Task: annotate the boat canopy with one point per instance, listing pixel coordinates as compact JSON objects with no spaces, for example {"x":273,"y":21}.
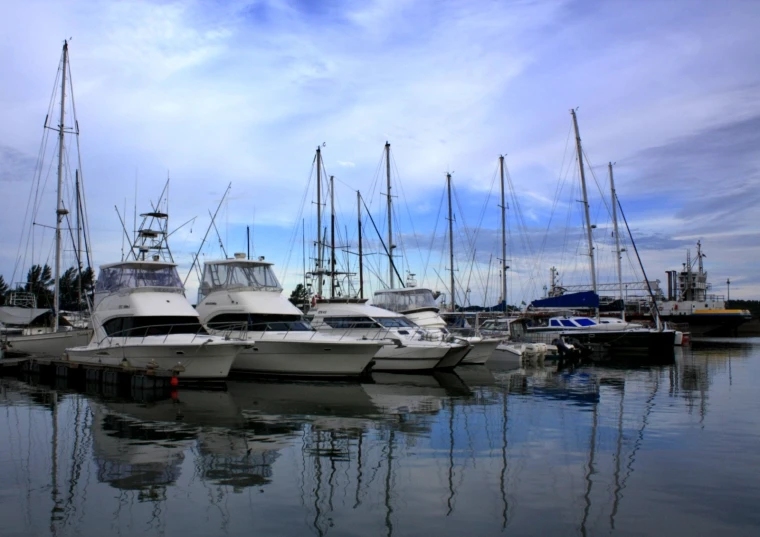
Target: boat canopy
{"x":403,"y":300}
{"x":238,"y":275}
{"x":134,"y":275}
{"x":585,"y":299}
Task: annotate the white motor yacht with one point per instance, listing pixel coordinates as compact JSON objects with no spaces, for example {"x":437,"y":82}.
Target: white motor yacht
{"x":240,"y":293}
{"x":411,"y":349}
{"x":418,"y":304}
{"x":143,"y":320}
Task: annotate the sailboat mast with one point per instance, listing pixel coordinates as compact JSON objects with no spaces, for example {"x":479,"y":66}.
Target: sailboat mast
{"x":79,"y":241}
{"x":319,"y":222}
{"x":503,"y":236}
{"x":390,"y":212}
{"x":585,"y":199}
{"x":332,"y":238}
{"x":451,"y":243}
{"x":60,"y":211}
{"x":617,"y":239}
{"x":361,"y":262}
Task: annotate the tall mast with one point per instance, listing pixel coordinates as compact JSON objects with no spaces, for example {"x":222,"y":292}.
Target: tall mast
{"x":585,"y":200}
{"x":332,"y":239}
{"x":503,"y":236}
{"x":361,"y":265}
{"x":390,"y":212}
{"x":79,"y":241}
{"x":617,"y":239}
{"x":60,"y":211}
{"x":451,"y":243}
{"x":319,"y":222}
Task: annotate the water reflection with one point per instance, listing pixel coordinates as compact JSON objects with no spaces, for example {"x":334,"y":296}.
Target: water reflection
{"x":480,"y":451}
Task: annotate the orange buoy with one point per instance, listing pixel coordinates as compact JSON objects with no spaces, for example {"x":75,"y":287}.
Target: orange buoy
{"x":174,"y":381}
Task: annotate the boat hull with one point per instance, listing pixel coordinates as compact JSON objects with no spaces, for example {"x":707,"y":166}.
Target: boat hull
{"x":52,"y":344}
{"x":455,"y":356}
{"x":409,"y":358}
{"x":185,"y":359}
{"x":482,"y":350}
{"x":307,"y":358}
{"x":710,"y":324}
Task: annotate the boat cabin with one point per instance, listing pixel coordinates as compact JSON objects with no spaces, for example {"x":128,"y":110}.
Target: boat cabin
{"x":238,"y":274}
{"x":405,"y":300}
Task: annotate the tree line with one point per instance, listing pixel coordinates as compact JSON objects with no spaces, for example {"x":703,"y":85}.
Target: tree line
{"x":74,"y":287}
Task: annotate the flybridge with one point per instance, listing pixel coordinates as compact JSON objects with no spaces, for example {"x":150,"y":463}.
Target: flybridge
{"x":238,"y":274}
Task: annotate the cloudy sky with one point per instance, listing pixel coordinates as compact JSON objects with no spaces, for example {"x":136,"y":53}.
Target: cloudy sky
{"x":242,"y":92}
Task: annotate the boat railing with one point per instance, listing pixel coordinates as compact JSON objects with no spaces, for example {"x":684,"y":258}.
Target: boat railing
{"x":239,"y":332}
{"x":275,"y":328}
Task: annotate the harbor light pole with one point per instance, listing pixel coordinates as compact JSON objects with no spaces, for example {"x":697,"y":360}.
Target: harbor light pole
{"x":728,"y":287}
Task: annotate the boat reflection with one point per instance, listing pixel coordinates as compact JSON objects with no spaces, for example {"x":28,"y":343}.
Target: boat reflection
{"x":397,"y":454}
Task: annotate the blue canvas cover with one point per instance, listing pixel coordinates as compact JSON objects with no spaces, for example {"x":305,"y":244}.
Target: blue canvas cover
{"x":585,"y":299}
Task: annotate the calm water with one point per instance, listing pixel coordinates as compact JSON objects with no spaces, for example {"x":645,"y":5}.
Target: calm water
{"x":670,"y":450}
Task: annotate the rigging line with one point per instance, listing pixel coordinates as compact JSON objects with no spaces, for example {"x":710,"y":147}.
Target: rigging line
{"x":299,"y":218}
{"x":383,"y":244}
{"x":558,"y":189}
{"x":432,"y":236}
{"x":471,"y":239}
{"x":400,"y":184}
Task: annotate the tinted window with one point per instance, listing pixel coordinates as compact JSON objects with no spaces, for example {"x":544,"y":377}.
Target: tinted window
{"x":152,"y":326}
{"x":395,"y":322}
{"x":554,"y":322}
{"x":350,"y":322}
{"x":567,"y":322}
{"x":258,"y":322}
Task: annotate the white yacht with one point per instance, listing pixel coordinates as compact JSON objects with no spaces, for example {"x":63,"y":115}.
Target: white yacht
{"x":418,"y":304}
{"x":240,"y":294}
{"x":143,"y":320}
{"x":412,"y":349}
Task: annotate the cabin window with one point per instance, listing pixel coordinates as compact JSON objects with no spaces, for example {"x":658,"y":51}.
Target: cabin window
{"x":152,"y":326}
{"x":395,"y":322}
{"x":258,"y":322}
{"x":567,"y":322}
{"x":111,"y":279}
{"x":554,"y":322}
{"x":240,"y":275}
{"x":350,"y":322}
{"x":585,"y":322}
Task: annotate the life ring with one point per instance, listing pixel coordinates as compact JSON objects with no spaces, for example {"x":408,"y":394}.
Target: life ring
{"x":675,"y":307}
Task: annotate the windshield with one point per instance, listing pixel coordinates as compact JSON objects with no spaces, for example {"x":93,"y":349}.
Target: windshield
{"x":236,"y":275}
{"x":114,"y":278}
{"x":395,"y":322}
{"x":408,"y":299}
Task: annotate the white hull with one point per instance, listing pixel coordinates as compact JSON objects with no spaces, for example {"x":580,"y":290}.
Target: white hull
{"x":211,"y":360}
{"x":482,"y":350}
{"x":408,"y":358}
{"x":311,"y":358}
{"x":455,"y":356}
{"x":52,"y":344}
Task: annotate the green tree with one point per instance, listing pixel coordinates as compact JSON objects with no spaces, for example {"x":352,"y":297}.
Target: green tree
{"x":299,"y":295}
{"x":75,"y":288}
{"x":39,"y":280}
{"x":3,"y":290}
